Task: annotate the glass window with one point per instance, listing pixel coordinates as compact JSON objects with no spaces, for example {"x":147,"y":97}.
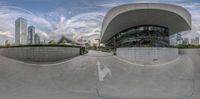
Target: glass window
{"x":147,"y":35}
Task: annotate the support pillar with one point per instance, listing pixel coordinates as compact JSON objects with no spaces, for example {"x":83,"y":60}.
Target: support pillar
{"x":114,"y":46}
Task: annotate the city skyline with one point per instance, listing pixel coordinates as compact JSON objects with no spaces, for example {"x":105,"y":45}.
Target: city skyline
{"x":73,"y":18}
{"x":25,"y":34}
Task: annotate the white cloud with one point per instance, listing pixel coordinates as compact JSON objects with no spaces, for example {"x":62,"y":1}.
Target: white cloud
{"x":6,"y":33}
{"x":47,"y":27}
{"x":51,"y":25}
{"x":8,"y":15}
{"x":80,"y":25}
{"x":110,"y":5}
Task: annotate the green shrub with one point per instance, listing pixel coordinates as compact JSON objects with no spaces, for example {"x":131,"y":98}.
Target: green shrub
{"x":182,"y":46}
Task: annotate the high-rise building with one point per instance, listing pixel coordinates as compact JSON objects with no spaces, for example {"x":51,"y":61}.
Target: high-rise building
{"x":193,"y":41}
{"x":21,"y":31}
{"x":31,"y":34}
{"x":37,"y":39}
{"x":186,"y":41}
{"x":197,"y":40}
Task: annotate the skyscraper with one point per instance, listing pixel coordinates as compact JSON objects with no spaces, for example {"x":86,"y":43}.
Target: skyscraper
{"x":197,"y":40}
{"x":37,"y":39}
{"x":186,"y":41}
{"x":193,"y":42}
{"x":21,"y":31}
{"x":31,"y":34}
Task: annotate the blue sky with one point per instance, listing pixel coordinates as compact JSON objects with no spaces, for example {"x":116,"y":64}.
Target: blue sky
{"x":73,"y":18}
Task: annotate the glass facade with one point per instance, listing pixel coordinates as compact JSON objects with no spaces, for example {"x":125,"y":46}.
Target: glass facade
{"x":21,"y":31}
{"x":141,"y":36}
{"x":37,"y":39}
{"x":31,"y":33}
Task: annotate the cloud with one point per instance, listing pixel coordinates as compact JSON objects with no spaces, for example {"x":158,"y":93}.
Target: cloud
{"x":86,"y":23}
{"x":6,"y":34}
{"x":80,"y":25}
{"x":112,"y":4}
{"x":194,"y":9}
{"x":8,"y":15}
{"x":49,"y":26}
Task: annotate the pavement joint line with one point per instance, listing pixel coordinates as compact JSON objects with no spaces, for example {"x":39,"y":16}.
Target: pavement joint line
{"x":156,"y":65}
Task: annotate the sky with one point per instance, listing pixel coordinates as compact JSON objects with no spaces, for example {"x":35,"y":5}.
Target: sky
{"x":74,"y":18}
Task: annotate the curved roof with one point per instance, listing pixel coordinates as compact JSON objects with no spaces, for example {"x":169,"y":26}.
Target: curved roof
{"x":119,"y":18}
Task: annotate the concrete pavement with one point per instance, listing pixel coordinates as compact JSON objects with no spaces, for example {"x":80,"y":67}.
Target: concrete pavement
{"x":79,"y":78}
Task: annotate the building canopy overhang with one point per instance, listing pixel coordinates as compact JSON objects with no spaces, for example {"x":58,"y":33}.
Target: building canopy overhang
{"x":175,"y":18}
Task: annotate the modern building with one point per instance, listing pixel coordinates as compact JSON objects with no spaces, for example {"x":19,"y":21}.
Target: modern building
{"x":176,"y":39}
{"x":144,"y":24}
{"x":135,"y":31}
{"x":36,"y":39}
{"x":173,"y":39}
{"x":67,"y":41}
{"x":31,"y":33}
{"x":21,"y":31}
{"x":195,"y":41}
{"x":179,"y":39}
{"x":185,"y":41}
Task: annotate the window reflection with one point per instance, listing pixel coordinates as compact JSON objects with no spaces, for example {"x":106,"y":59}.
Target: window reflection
{"x":148,"y":35}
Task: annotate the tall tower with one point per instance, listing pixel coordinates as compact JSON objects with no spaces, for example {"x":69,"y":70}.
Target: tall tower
{"x":37,"y":39}
{"x":31,"y":34}
{"x":21,"y":31}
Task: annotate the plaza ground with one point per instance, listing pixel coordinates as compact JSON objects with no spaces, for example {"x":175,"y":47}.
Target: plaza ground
{"x":78,"y":78}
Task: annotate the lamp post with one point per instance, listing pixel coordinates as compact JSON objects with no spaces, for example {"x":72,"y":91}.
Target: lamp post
{"x":114,"y":43}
